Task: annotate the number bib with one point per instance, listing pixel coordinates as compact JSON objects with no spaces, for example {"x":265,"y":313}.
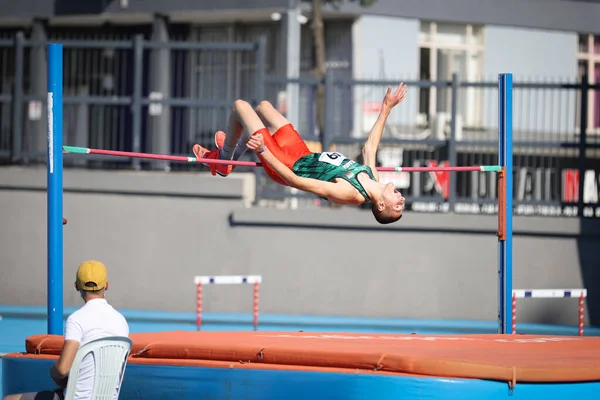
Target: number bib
{"x":332,"y":157}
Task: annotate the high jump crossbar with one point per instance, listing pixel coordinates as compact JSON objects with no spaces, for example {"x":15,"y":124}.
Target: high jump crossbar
{"x":55,"y":188}
{"x":254,"y":280}
{"x":580,"y":294}
{"x":165,"y":157}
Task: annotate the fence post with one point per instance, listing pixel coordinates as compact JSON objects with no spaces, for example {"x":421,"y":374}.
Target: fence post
{"x":260,"y":69}
{"x":259,"y":93}
{"x":582,"y":141}
{"x":452,"y":143}
{"x":136,"y":106}
{"x":17,"y":100}
{"x":329,"y":112}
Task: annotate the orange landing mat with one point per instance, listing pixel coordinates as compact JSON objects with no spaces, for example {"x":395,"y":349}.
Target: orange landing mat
{"x":512,"y":358}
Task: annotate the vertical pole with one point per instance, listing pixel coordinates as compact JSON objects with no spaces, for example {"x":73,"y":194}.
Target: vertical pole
{"x":136,"y":107}
{"x":159,"y":138}
{"x":255,"y":306}
{"x":501,"y":179}
{"x":17,"y":111}
{"x":328,"y":132}
{"x":260,"y":69}
{"x":505,"y":161}
{"x":259,"y":92}
{"x":55,"y":188}
{"x":37,"y":82}
{"x":581,"y":314}
{"x":582,"y":142}
{"x":292,"y":33}
{"x":452,"y":143}
{"x":198,"y":305}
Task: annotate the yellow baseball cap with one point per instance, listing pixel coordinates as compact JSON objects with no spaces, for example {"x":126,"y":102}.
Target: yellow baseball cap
{"x":91,"y":275}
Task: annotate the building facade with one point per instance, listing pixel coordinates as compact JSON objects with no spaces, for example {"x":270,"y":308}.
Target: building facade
{"x":552,"y":42}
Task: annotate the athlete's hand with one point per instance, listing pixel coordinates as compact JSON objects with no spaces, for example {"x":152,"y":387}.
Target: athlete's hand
{"x":392,"y":99}
{"x":256,"y":143}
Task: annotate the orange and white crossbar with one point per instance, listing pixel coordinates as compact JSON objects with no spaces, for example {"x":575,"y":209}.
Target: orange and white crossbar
{"x":581,"y":294}
{"x":200,"y":281}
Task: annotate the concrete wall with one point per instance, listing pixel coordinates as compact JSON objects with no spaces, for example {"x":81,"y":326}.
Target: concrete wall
{"x":156,"y":231}
{"x":532,"y":55}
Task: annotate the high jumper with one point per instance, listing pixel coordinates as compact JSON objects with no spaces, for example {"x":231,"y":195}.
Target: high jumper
{"x":287,"y":160}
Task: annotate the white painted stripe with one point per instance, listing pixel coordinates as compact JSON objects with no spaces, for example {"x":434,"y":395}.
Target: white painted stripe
{"x":192,"y":159}
{"x":549,"y":293}
{"x":228,"y":279}
{"x":50,"y":110}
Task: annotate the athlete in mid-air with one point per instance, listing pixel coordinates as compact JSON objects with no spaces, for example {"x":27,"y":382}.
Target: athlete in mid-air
{"x":288,"y":161}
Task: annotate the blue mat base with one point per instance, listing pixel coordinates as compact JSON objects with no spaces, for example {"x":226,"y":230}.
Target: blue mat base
{"x":175,"y":382}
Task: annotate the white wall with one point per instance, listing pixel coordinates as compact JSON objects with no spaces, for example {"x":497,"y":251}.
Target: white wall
{"x":156,"y":231}
{"x":384,"y":48}
{"x":532,"y":55}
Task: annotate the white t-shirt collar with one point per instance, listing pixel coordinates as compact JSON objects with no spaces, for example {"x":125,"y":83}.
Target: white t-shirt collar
{"x":97,"y":300}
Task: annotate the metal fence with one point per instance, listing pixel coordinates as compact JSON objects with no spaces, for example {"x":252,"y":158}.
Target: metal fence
{"x":549,"y":152}
{"x":129,"y":95}
{"x":162,"y":97}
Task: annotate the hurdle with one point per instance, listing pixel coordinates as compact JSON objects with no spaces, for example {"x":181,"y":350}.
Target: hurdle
{"x":581,"y":294}
{"x":55,"y":151}
{"x":254,"y":280}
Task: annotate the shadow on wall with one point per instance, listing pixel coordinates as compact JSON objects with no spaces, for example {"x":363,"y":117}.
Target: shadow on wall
{"x":588,"y":245}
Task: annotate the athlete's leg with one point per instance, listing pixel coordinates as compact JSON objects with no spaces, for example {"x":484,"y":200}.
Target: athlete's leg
{"x":253,"y":124}
{"x":242,"y":117}
{"x":285,"y":134}
{"x":272,"y":119}
{"x":233,"y":135}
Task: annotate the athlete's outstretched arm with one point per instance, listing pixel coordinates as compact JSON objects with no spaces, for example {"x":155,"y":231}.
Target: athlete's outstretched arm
{"x":371,"y":145}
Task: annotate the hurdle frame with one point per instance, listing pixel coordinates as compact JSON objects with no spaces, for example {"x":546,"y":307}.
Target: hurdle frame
{"x":579,"y":294}
{"x":254,"y":280}
{"x":55,"y":189}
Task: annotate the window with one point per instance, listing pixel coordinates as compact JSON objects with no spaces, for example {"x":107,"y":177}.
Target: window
{"x":588,"y":61}
{"x":446,"y":49}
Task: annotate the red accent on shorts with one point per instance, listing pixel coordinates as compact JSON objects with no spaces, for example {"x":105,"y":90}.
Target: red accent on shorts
{"x":286,"y":145}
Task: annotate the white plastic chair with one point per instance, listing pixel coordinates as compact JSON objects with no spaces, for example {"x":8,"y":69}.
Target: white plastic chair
{"x":110,"y":359}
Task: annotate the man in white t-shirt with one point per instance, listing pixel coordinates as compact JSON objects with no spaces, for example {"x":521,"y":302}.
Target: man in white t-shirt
{"x":96,"y":319}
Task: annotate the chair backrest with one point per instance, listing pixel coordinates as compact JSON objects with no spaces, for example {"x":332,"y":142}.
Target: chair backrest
{"x":110,"y":359}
